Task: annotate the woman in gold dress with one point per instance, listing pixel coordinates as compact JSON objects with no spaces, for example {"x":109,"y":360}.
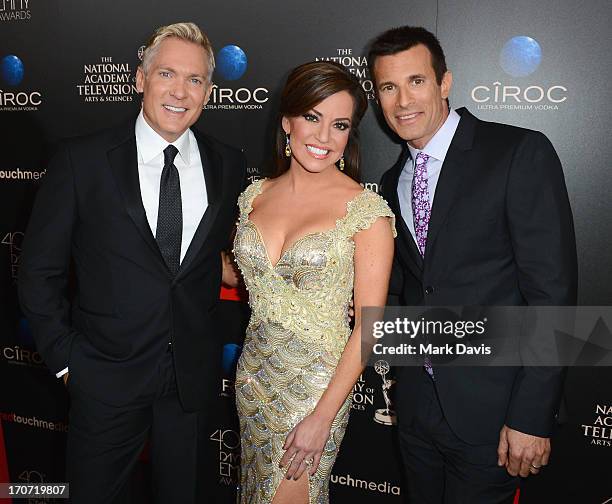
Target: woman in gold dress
{"x":308,"y":241}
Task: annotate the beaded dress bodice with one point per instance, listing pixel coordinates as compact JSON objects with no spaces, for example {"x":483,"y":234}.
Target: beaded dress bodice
{"x":298,"y":329}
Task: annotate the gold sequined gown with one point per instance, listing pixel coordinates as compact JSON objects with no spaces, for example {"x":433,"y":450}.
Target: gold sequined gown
{"x":297,"y":332}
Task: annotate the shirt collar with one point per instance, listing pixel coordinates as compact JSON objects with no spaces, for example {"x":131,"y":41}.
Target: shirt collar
{"x":150,"y":144}
{"x":438,"y":146}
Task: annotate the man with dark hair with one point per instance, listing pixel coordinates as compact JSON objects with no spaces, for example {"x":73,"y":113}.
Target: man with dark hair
{"x":403,"y":38}
{"x":483,"y":219}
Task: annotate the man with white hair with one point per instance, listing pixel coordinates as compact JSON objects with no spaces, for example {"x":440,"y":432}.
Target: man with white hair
{"x":143,"y":212}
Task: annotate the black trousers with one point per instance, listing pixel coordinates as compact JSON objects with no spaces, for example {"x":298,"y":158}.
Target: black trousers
{"x":104,"y":443}
{"x":440,"y":467}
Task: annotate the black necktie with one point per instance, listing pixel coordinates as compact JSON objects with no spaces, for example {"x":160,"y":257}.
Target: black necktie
{"x":170,"y":215}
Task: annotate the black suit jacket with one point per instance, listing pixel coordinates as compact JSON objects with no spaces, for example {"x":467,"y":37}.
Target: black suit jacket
{"x":127,"y":305}
{"x":501,"y":233}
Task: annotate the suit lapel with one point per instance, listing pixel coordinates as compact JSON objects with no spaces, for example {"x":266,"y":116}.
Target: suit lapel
{"x":451,"y":176}
{"x":407,"y":248}
{"x":123,"y":159}
{"x":212,"y":164}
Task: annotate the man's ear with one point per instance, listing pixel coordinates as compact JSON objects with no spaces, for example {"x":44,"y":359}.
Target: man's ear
{"x":447,"y":83}
{"x":140,"y":79}
{"x":208,"y":93}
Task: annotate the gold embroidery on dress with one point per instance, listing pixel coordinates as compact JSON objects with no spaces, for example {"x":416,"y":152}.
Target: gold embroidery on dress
{"x":298,"y":329}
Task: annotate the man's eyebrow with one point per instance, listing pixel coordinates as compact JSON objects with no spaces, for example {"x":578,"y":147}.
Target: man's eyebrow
{"x":170,"y":69}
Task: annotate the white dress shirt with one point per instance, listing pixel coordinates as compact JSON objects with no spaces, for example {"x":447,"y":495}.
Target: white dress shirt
{"x":150,"y":146}
{"x":436,"y":149}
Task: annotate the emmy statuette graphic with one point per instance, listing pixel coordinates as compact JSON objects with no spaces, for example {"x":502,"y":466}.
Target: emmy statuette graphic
{"x":385,"y":416}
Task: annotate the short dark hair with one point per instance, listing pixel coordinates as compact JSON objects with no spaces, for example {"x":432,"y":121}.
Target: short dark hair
{"x":307,"y":86}
{"x":403,"y":38}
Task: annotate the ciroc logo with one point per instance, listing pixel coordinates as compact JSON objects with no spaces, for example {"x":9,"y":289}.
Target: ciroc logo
{"x":12,"y":72}
{"x":519,"y":57}
{"x":24,"y":352}
{"x":232,"y":64}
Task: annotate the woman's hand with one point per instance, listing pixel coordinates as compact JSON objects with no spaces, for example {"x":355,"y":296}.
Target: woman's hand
{"x":305,"y":443}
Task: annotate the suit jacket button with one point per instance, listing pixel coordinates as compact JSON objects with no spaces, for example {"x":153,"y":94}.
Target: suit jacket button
{"x":429,"y":290}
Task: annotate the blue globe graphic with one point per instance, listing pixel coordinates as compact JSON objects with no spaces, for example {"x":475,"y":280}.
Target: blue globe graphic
{"x":231,"y":62}
{"x":520,"y":56}
{"x":12,"y":70}
{"x":25,"y":333}
{"x":231,"y":352}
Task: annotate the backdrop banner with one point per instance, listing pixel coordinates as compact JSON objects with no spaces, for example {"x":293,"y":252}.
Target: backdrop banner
{"x":67,"y":68}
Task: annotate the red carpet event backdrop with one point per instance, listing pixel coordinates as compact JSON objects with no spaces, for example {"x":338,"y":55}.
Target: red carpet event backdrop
{"x":67,"y":68}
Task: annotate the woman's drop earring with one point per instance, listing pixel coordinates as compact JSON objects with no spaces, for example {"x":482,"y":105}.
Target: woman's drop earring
{"x":287,"y":146}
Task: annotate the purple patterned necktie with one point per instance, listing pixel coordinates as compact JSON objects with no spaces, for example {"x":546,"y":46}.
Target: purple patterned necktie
{"x":420,"y":214}
{"x":420,"y":201}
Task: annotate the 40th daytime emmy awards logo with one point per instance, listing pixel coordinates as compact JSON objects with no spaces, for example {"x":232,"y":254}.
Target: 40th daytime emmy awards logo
{"x":229,"y":455}
{"x":231,"y":66}
{"x":13,"y":241}
{"x":519,"y":58}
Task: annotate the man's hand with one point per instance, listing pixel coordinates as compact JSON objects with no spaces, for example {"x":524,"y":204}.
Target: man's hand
{"x":231,"y":275}
{"x":522,"y":454}
{"x":65,"y":378}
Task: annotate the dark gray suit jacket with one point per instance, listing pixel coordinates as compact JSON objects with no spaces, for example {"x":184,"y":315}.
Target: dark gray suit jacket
{"x":501,"y":233}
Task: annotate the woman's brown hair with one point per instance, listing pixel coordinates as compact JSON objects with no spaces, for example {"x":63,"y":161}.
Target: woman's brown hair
{"x":307,"y":86}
